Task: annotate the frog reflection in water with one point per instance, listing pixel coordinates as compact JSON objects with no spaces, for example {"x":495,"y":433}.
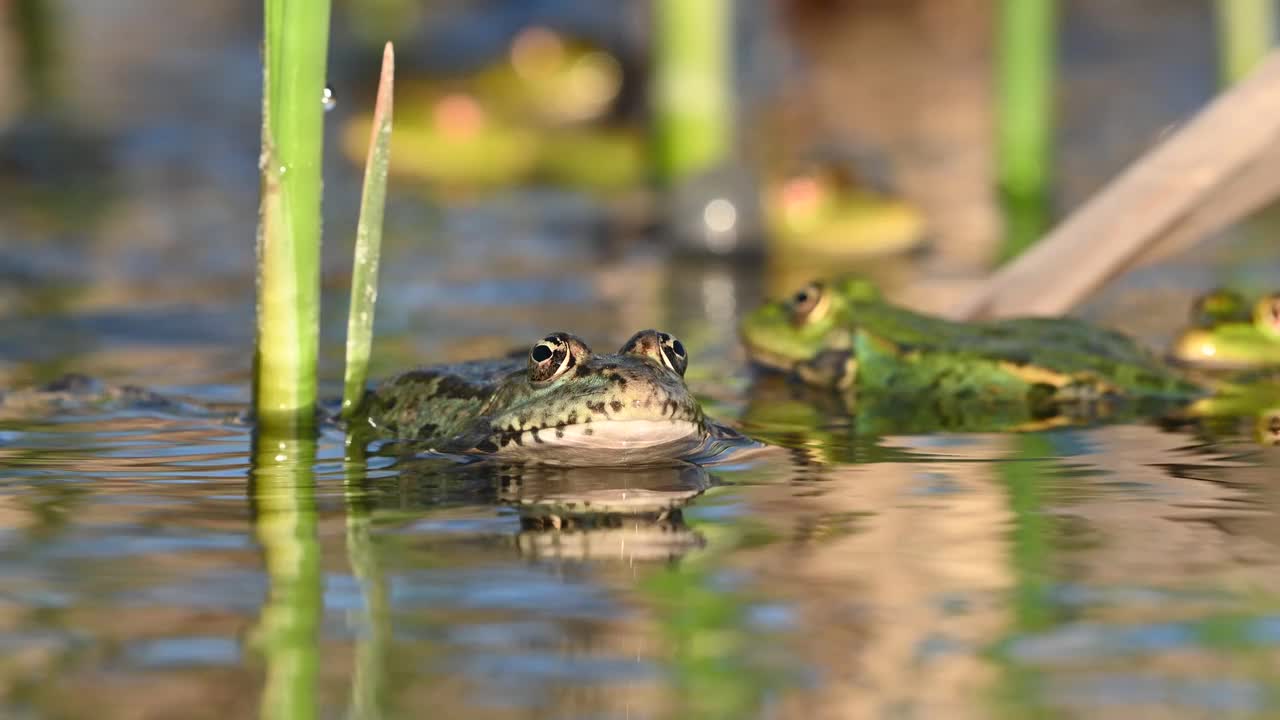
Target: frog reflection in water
{"x":843,"y":335}
{"x":562,"y":404}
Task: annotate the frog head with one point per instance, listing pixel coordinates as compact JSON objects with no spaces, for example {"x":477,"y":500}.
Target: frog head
{"x":581,"y":407}
{"x":1229,"y":333}
{"x":808,"y":333}
{"x":1218,"y":307}
{"x":1266,"y":316}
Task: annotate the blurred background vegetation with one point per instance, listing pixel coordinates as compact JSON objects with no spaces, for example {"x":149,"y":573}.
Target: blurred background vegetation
{"x":569,"y":144}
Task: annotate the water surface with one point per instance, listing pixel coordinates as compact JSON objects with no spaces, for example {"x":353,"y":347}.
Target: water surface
{"x":160,"y":562}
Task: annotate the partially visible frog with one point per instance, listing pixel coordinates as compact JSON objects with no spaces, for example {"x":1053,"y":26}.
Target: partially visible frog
{"x":1229,"y":332}
{"x":844,"y":335}
{"x":561,"y":404}
{"x":825,"y":208}
{"x":75,"y":392}
{"x":558,"y":404}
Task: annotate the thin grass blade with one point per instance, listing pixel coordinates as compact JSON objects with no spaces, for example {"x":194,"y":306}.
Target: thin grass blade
{"x":364,"y":271}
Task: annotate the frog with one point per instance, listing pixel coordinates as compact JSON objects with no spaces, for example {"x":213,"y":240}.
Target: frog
{"x":823,"y":206}
{"x":1229,"y":332}
{"x":76,"y":392}
{"x":544,"y":112}
{"x":558,"y":403}
{"x":843,"y":335}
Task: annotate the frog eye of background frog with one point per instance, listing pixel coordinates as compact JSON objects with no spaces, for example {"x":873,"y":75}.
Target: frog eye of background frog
{"x":1266,"y":315}
{"x":810,"y":303}
{"x":673,"y":354}
{"x":554,"y":355}
{"x":1269,"y":427}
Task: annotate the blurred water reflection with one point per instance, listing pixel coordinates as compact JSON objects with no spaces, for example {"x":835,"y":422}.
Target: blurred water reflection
{"x":1087,"y":570}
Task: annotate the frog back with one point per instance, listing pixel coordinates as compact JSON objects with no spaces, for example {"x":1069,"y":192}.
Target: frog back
{"x":439,"y":401}
{"x":1058,"y":356}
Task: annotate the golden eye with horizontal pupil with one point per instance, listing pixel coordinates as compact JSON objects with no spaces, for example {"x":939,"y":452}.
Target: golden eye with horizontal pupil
{"x":809,"y":304}
{"x":554,"y":355}
{"x":1266,"y":315}
{"x":659,"y":347}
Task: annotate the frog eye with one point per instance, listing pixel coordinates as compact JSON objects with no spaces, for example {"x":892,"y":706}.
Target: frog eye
{"x":673,"y":354}
{"x":554,"y":355}
{"x":1269,"y":427}
{"x":660,"y":347}
{"x":1266,"y":315}
{"x":809,"y":304}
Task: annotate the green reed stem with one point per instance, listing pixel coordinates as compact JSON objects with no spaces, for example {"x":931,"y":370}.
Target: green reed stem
{"x":1025,"y":220}
{"x":36,"y":23}
{"x":1246,"y":31}
{"x":1028,"y":46}
{"x":283,"y":494}
{"x":692,"y":99}
{"x":364,"y":271}
{"x":1025,"y":79}
{"x":293,"y":76}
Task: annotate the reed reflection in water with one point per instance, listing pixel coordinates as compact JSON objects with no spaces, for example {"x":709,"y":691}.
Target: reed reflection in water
{"x":282,"y":491}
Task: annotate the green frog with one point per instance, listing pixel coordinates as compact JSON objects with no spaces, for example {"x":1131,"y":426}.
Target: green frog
{"x":1230,"y":332}
{"x":844,"y":335}
{"x":560,"y":403}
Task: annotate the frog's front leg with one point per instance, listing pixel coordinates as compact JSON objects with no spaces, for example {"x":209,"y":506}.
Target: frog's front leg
{"x":829,"y":368}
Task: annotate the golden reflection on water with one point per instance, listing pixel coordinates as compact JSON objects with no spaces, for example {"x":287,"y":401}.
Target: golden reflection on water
{"x":951,"y":575}
{"x":906,"y":577}
{"x":896,"y":571}
{"x":1154,"y":545}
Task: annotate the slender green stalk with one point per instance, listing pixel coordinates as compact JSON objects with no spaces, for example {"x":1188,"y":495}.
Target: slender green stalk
{"x":293,"y":77}
{"x":294,"y":49}
{"x":693,"y":123}
{"x":1028,"y":46}
{"x":1025,"y":220}
{"x":283,"y":493}
{"x":1246,"y":31}
{"x":36,"y":25}
{"x":364,"y":271}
